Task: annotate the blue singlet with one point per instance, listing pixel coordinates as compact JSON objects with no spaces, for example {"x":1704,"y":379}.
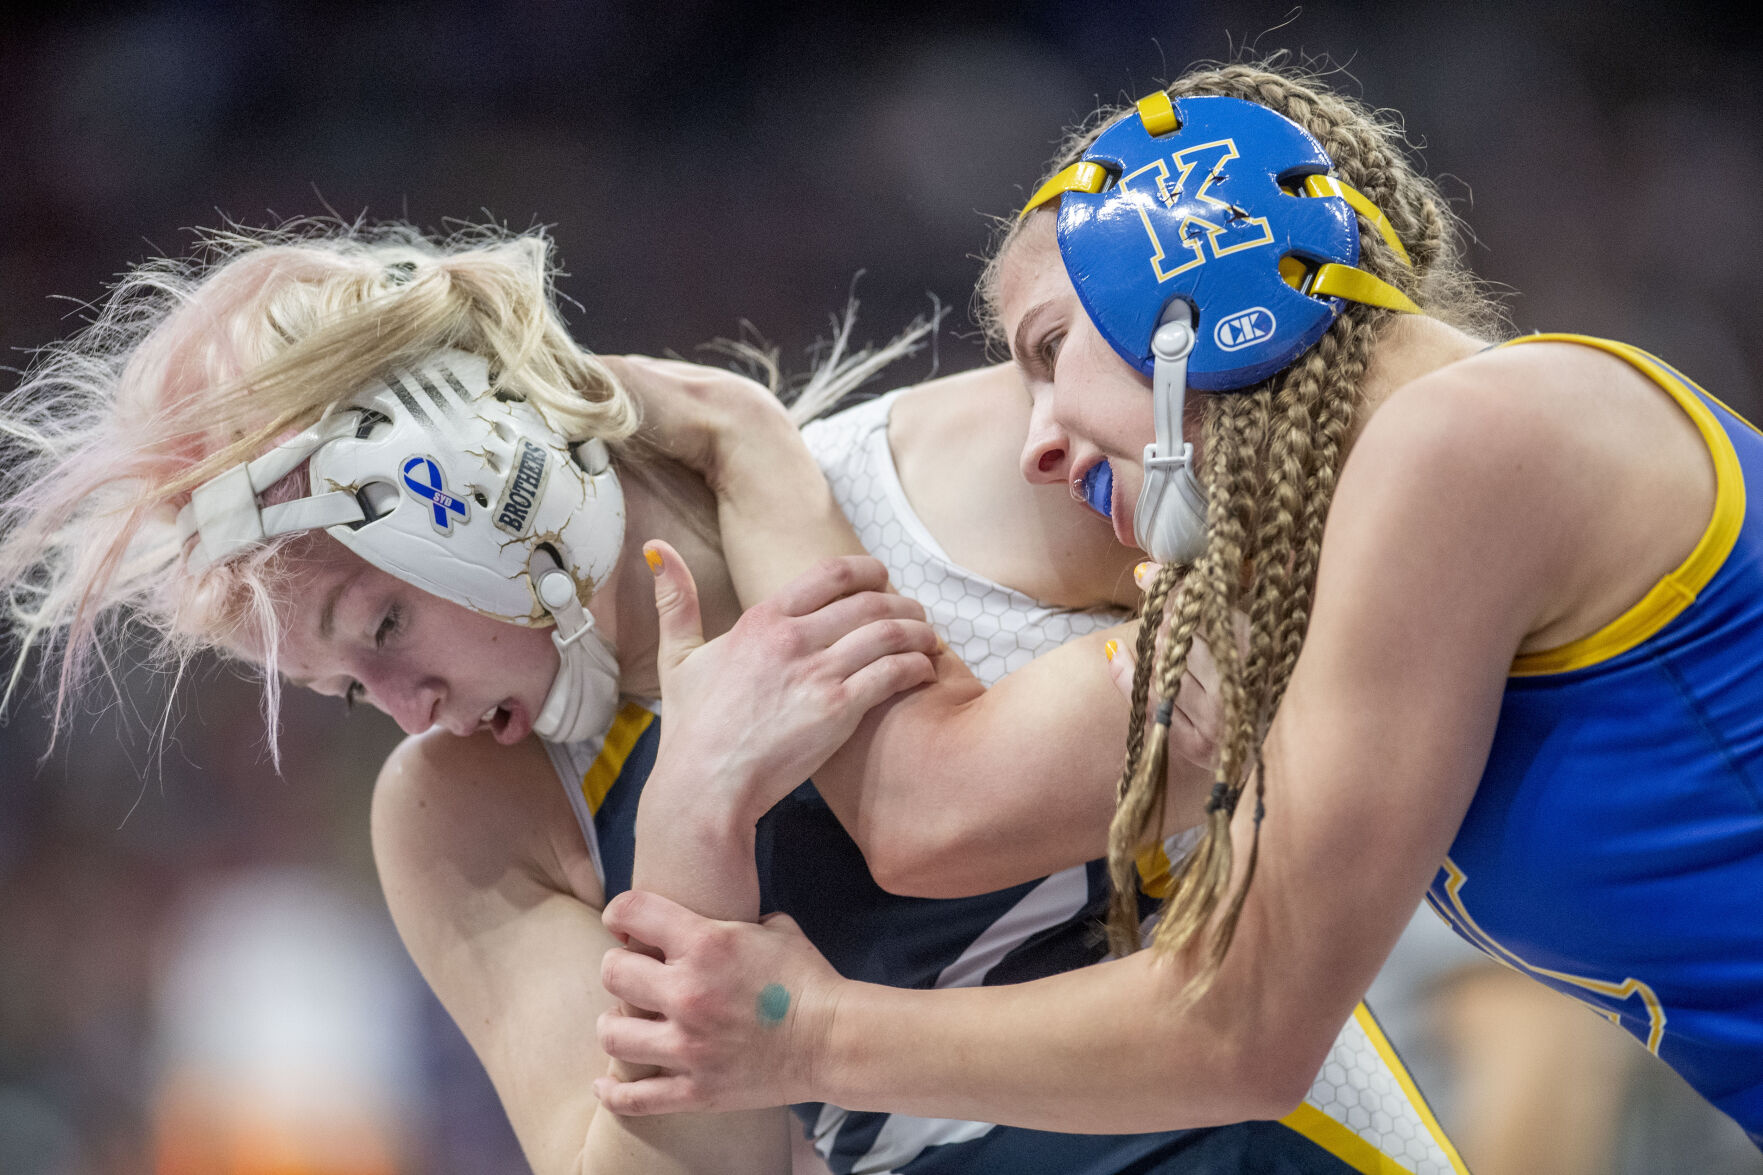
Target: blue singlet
{"x":1614,"y":848}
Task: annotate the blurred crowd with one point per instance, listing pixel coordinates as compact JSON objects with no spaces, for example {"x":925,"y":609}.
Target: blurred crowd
{"x":197,"y":973}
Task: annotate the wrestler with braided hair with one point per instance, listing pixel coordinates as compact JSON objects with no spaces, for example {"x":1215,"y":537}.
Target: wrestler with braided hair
{"x":1488,"y":624}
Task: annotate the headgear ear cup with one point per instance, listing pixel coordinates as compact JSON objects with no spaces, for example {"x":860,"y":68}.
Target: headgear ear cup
{"x":1195,"y":203}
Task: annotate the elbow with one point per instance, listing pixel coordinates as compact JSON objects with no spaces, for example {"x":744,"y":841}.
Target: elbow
{"x":959,"y":861}
{"x":916,"y":863}
{"x":1274,"y":1074}
{"x":1264,"y":1088}
{"x":936,"y":855}
{"x":1253,"y":1067}
{"x":1276,"y":1086}
{"x":927,"y":839}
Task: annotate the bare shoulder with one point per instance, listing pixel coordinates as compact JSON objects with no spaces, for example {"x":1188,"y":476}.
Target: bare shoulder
{"x":1556,"y":463}
{"x":1567,"y":396}
{"x":957,"y":443}
{"x":451,"y":814}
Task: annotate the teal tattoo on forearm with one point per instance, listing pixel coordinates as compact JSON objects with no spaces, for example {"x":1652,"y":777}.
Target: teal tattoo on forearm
{"x":772,"y":1003}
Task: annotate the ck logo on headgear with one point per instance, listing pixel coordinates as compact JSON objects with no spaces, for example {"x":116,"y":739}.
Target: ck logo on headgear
{"x":422,"y":477}
{"x":1244,"y":328}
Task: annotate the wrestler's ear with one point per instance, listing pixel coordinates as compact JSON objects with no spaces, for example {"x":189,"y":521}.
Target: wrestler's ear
{"x":676,"y":607}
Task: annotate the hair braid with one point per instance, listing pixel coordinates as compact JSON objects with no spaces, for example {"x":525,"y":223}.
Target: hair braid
{"x":1144,"y":656}
{"x":1140,"y":798}
{"x":1275,"y":459}
{"x":1206,"y":603}
{"x":1271,"y":457}
{"x":1289,"y":451}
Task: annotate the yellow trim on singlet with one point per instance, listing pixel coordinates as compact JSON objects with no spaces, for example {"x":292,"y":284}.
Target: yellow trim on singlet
{"x":621,"y":738}
{"x":1339,"y":1140}
{"x":1379,"y":1041}
{"x":1156,"y":875}
{"x":1461,"y":920}
{"x":1344,"y":1143}
{"x":1678,"y":590}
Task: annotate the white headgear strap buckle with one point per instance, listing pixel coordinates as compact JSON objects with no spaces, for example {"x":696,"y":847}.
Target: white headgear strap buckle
{"x":1170,"y":521}
{"x":430,"y":476}
{"x":584,"y":695}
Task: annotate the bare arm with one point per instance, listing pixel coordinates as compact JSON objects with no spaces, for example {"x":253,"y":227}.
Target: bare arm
{"x":956,"y":441}
{"x":951,"y":789}
{"x":1449,"y":538}
{"x":497,"y":901}
{"x":1422,"y":602}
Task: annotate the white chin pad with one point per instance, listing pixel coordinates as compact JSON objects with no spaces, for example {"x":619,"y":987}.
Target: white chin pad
{"x":1170,"y":521}
{"x":584,"y":695}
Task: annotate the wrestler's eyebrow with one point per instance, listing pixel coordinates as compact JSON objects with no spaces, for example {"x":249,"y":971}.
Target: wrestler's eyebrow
{"x":1026,"y":357}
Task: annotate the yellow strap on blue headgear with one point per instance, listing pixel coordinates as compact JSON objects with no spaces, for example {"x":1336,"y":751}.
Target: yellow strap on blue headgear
{"x":1328,"y":185}
{"x":1081,"y":176}
{"x":1158,"y":117}
{"x":1211,"y":246}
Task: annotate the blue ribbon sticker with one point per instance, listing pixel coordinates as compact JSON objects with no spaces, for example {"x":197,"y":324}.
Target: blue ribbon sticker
{"x":422,"y":477}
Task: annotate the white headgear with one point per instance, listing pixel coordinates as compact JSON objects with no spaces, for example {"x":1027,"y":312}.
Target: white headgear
{"x":467,"y":495}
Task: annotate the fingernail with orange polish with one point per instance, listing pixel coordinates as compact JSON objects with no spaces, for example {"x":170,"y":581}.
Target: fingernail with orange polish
{"x":653,"y":558}
{"x":1143,"y":572}
{"x":1112,"y":648}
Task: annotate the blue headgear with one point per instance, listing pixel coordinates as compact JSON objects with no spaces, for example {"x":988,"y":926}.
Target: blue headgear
{"x":1211,"y":247}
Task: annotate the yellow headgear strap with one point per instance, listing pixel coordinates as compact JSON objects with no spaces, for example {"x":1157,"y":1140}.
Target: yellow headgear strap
{"x":1157,"y":113}
{"x":1082,"y":176}
{"x":1355,"y":285}
{"x":1326,"y":185}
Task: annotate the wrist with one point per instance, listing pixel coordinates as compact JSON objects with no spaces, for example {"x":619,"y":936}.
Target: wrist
{"x":840,"y":1045}
{"x":703,"y":864}
{"x":708,"y":819}
{"x":721,"y":792}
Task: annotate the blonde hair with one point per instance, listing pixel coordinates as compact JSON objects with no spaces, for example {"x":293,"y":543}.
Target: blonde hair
{"x":191,"y":366}
{"x":1270,"y":457}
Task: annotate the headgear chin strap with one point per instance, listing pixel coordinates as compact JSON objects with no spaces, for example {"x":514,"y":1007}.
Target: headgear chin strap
{"x":429,"y":476}
{"x":1170,"y":520}
{"x":584,"y":695}
{"x":1211,"y":246}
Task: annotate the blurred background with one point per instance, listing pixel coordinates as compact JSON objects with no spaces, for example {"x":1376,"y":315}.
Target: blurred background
{"x":197,"y":973}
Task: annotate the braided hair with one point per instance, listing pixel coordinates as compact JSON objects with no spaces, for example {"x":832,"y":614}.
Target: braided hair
{"x":1270,"y":459}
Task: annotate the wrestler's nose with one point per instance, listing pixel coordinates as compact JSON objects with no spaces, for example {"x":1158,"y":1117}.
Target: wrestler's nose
{"x":1046,"y":451}
{"x":413,"y":705}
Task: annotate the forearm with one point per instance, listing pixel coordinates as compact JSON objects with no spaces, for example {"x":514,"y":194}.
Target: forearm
{"x":711,"y":869}
{"x":1094,"y":1051}
{"x":948,"y":790}
{"x":697,"y":856}
{"x":776,"y":512}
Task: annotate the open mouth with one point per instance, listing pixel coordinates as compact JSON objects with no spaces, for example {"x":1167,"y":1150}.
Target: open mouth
{"x":504,"y":722}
